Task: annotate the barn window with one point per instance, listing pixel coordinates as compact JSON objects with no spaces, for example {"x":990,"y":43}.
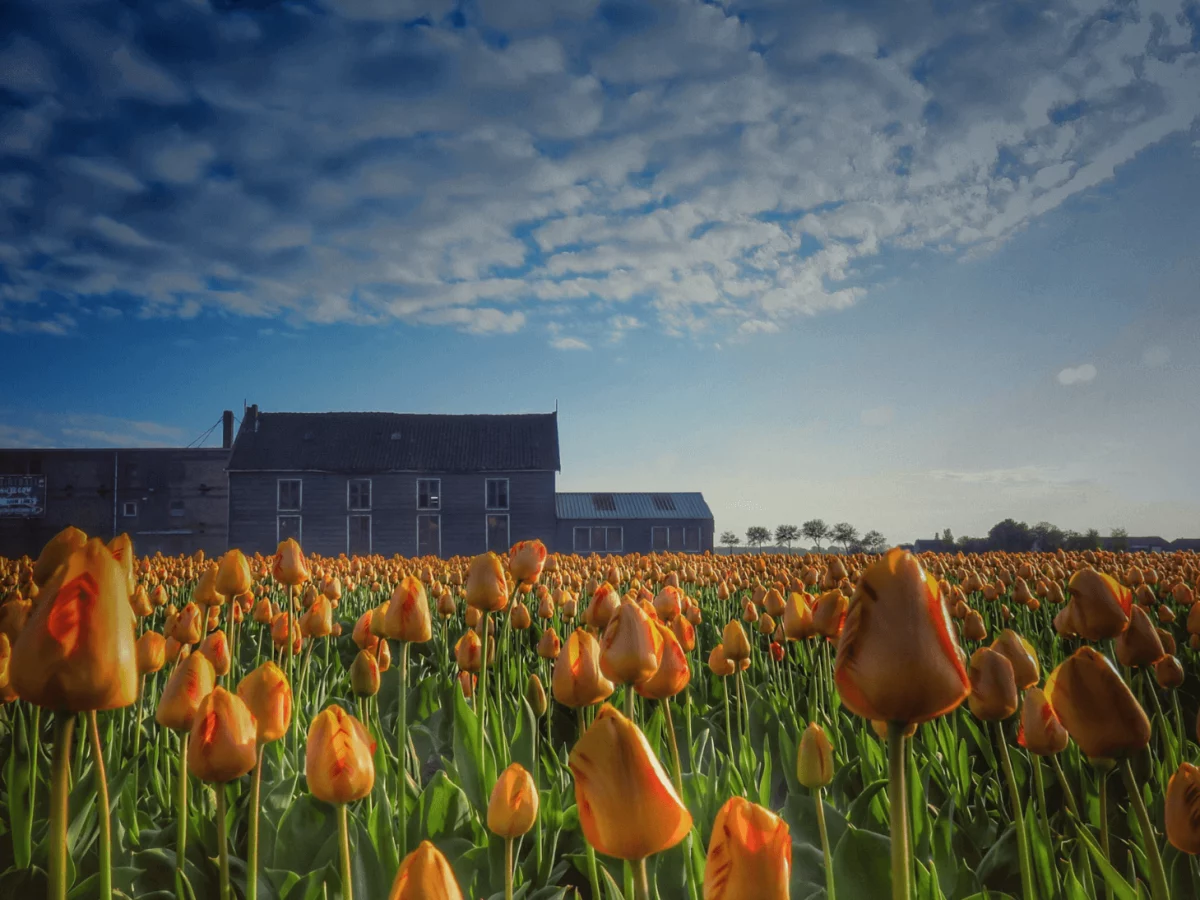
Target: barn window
{"x":496,"y":493}
{"x":604,"y":502}
{"x":358,"y":493}
{"x":663,"y":502}
{"x":290,"y":494}
{"x":176,"y":508}
{"x":598,"y":539}
{"x":429,"y":493}
{"x":691,"y":540}
{"x":429,"y":535}
{"x":129,"y":508}
{"x":497,"y":533}
{"x":659,"y":538}
{"x":288,"y":527}
{"x":358,"y":535}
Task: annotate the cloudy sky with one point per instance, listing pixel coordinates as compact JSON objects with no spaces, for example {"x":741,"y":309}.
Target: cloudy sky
{"x":912,"y":265}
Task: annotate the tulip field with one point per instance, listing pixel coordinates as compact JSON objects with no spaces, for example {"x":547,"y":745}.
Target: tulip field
{"x":538,"y":726}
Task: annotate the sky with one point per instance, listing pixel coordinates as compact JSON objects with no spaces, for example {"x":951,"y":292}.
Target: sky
{"x":913,"y":266}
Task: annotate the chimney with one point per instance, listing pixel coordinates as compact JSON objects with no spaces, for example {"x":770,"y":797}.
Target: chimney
{"x":252,"y":416}
{"x":227,"y":429}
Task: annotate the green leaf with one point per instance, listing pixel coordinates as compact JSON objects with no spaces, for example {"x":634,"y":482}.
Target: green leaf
{"x":862,"y":865}
{"x":16,"y":781}
{"x":443,"y":812}
{"x":467,"y":761}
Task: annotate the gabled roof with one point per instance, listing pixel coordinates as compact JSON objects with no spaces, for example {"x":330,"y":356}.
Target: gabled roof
{"x":365,"y":442}
{"x":923,"y":545}
{"x":1185,"y":544}
{"x":601,"y":505}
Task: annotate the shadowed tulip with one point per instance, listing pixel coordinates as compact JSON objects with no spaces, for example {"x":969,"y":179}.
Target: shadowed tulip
{"x":993,"y":687}
{"x":1096,"y":706}
{"x":1182,"y":810}
{"x":192,"y":681}
{"x":487,"y":588}
{"x":897,"y":659}
{"x":519,"y":618}
{"x":425,"y":874}
{"x":407,"y":617}
{"x":685,"y":633}
{"x":631,"y":648}
{"x":233,"y":574}
{"x":1139,"y":644}
{"x":673,"y":673}
{"x":749,"y":855}
{"x":536,"y":695}
{"x":468,"y":652}
{"x":289,"y":565}
{"x":1099,"y":605}
{"x":549,"y":644}
{"x":339,"y":763}
{"x":268,"y":696}
{"x":1041,"y":732}
{"x":188,"y":624}
{"x":973,"y":628}
{"x":151,"y":652}
{"x":1022,"y":655}
{"x":364,"y":674}
{"x":814,"y":761}
{"x":628,"y":807}
{"x":513,"y":806}
{"x":76,"y":650}
{"x":223,"y":743}
{"x":735,"y":643}
{"x":1168,"y":672}
{"x":578,"y":678}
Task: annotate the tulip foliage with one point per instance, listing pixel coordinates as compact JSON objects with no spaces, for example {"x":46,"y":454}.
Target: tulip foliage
{"x":541,"y":726}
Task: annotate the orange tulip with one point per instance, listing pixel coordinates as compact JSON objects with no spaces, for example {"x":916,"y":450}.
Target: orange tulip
{"x":1182,"y":811}
{"x":897,"y":659}
{"x":268,"y":696}
{"x":749,"y":855}
{"x":1041,"y":732}
{"x":1139,"y":644}
{"x":425,"y":874}
{"x":339,"y":763}
{"x":487,"y":588}
{"x":407,"y":617}
{"x":77,"y":651}
{"x":1168,"y":672}
{"x":55,"y":553}
{"x":578,"y":678}
{"x":973,"y":627}
{"x":668,"y":603}
{"x":206,"y":588}
{"x":735,"y":643}
{"x":605,"y":604}
{"x":188,"y":624}
{"x":233,"y":574}
{"x":364,"y":674}
{"x":685,"y":633}
{"x":1021,"y":654}
{"x":468,"y":652}
{"x":216,"y":648}
{"x":718,"y":663}
{"x":673,"y":673}
{"x":1096,"y":706}
{"x":289,"y":566}
{"x":631,"y":648}
{"x":628,"y":807}
{"x":5,"y":660}
{"x":549,"y":644}
{"x":518,"y":615}
{"x":797,"y":618}
{"x":222,"y":745}
{"x":993,"y":686}
{"x":1099,"y":605}
{"x":139,"y":601}
{"x":814,"y":762}
{"x":525,"y":561}
{"x":151,"y":652}
{"x":513,"y":806}
{"x":192,"y":681}
{"x":536,"y":695}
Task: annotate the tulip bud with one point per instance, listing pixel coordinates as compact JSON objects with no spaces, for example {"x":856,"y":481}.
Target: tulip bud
{"x":222,"y":746}
{"x":606,"y":602}
{"x":525,"y":561}
{"x":993,"y":687}
{"x":407,"y":617}
{"x":797,"y":618}
{"x":668,"y":603}
{"x":233,"y":574}
{"x":487,"y":588}
{"x":685,"y":633}
{"x":673,"y":673}
{"x":631,"y":648}
{"x":535,"y":694}
{"x":339,"y":763}
{"x":628,"y":807}
{"x":814,"y":762}
{"x":425,"y":874}
{"x":216,"y":648}
{"x":718,"y":664}
{"x":139,"y":601}
{"x":364,"y":674}
{"x":268,"y":696}
{"x":467,"y":652}
{"x":1168,"y":672}
{"x":1099,"y":607}
{"x":466,"y":681}
{"x":151,"y":652}
{"x":513,"y":806}
{"x":735,"y":643}
{"x":519,"y":617}
{"x":1041,"y":732}
{"x":549,"y":645}
{"x":1182,"y":810}
{"x":289,"y":566}
{"x":1096,"y":706}
{"x":829,"y":614}
{"x":749,"y":855}
{"x":1022,"y":655}
{"x":192,"y":681}
{"x":973,"y":627}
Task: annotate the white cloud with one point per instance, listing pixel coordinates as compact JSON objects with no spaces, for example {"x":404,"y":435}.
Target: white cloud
{"x":878,"y":416}
{"x":758,"y":326}
{"x":1156,"y":356}
{"x":1077,"y":375}
{"x":569,"y":343}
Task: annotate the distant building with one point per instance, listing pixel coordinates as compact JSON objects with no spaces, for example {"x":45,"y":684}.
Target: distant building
{"x":1192,"y":544}
{"x":633,"y":523}
{"x":1136,"y":544}
{"x":171,"y":500}
{"x":934,"y":546}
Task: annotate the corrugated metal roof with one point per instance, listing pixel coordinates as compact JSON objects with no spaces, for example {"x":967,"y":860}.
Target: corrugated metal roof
{"x":363,"y":442}
{"x":602,"y":505}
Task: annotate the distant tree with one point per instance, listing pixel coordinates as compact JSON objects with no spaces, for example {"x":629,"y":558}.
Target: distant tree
{"x":1011,"y":536}
{"x":756,"y":535}
{"x":845,"y":534}
{"x":1120,"y":539}
{"x":873,"y":542}
{"x":948,"y":536}
{"x":1091,"y":539}
{"x":816,"y":531}
{"x":730,"y":540}
{"x":785,"y":534}
{"x":1048,"y":537}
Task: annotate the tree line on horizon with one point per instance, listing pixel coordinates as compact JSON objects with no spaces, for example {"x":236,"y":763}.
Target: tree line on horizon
{"x":816,"y":531}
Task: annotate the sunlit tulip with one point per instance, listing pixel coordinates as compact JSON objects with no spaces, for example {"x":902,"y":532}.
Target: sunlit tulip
{"x":549,"y":645}
{"x":364,"y":674}
{"x":685,"y":633}
{"x":216,"y":648}
{"x":264,"y":612}
{"x":1099,"y":605}
{"x":289,"y":566}
{"x":776,"y":648}
{"x":814,"y":761}
{"x":192,"y":681}
{"x":233,"y":574}
{"x":513,"y":806}
{"x":525,"y":561}
{"x":175,"y":651}
{"x":317,"y":621}
{"x":797,"y":618}
{"x":545,"y":608}
{"x":720,"y":665}
{"x":1139,"y":644}
{"x":773,"y":603}
{"x":268,"y":696}
{"x":1022,"y":655}
{"x":1168,"y":672}
{"x":993,"y":687}
{"x":332,"y":590}
{"x":518,"y":615}
{"x":55,"y":553}
{"x":628,"y":807}
{"x":749,"y":855}
{"x":425,"y":874}
{"x":668,"y":603}
{"x":673,"y":673}
{"x":407,"y":617}
{"x":487,"y":588}
{"x":735,"y":643}
{"x":578,"y":679}
{"x":339,"y":763}
{"x":151,"y":652}
{"x":1182,"y":809}
{"x":222,"y":745}
{"x":139,"y":601}
{"x":468,"y":652}
{"x":631,"y":648}
{"x":829,"y":613}
{"x":5,"y":660}
{"x":77,"y":651}
{"x":206,"y":593}
{"x":1096,"y":706}
{"x":897,"y":659}
{"x":604,"y":605}
{"x":283,"y":626}
{"x":1041,"y":732}
{"x":188,"y":624}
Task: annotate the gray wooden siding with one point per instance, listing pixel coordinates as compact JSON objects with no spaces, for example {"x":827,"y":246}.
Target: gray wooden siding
{"x":637,"y":533}
{"x":393,"y":512}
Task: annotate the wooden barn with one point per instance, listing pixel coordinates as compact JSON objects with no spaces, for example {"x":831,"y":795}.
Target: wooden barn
{"x":633,"y":523}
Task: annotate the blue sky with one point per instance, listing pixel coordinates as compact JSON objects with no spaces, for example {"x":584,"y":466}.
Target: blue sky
{"x":914,"y":266}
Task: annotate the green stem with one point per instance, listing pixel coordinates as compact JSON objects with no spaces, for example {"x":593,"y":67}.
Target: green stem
{"x":728,"y":727}
{"x":630,"y":711}
{"x":402,"y":745}
{"x":898,"y":795}
{"x":64,"y":729}
{"x":829,"y":890}
{"x":1040,"y":786}
{"x":508,"y":868}
{"x":222,"y":844}
{"x":675,"y":761}
{"x":482,"y":701}
{"x":1158,"y":877}
{"x":137,"y":747}
{"x":181,"y":808}
{"x":1068,"y":794}
{"x":35,"y":743}
{"x":641,"y":880}
{"x":593,"y":876}
{"x":1014,"y":794}
{"x":344,"y":841}
{"x":102,"y":809}
{"x":252,"y":839}
{"x":1103,"y":777}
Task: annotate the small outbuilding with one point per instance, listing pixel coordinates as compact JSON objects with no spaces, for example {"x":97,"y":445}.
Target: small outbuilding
{"x":633,"y":523}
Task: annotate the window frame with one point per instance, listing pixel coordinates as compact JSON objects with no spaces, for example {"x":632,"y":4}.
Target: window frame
{"x":299,"y":526}
{"x":279,"y":507}
{"x":575,"y":548}
{"x":370,"y":530}
{"x":350,"y":507}
{"x":438,"y":492}
{"x":417,"y":543}
{"x":620,"y":530}
{"x":666,"y":530}
{"x":699,"y":539}
{"x":125,"y":507}
{"x":590,"y":530}
{"x":507,"y":497}
{"x":507,"y":543}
